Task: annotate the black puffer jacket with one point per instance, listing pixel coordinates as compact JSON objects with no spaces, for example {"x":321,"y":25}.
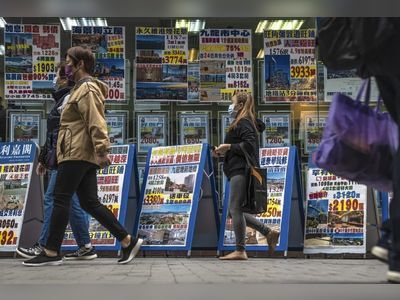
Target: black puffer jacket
{"x":48,"y":153}
{"x":244,"y":133}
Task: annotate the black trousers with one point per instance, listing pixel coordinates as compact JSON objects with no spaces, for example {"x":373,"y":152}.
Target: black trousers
{"x":389,"y":88}
{"x":79,"y":177}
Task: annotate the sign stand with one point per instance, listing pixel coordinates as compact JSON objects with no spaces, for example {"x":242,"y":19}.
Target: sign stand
{"x":290,"y":217}
{"x":21,"y":196}
{"x":178,"y":210}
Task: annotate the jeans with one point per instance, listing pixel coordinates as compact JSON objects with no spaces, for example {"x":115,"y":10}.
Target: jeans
{"x":79,"y":177}
{"x":78,"y":218}
{"x":240,"y":219}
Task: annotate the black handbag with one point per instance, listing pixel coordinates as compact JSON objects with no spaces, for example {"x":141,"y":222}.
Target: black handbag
{"x":257,"y":194}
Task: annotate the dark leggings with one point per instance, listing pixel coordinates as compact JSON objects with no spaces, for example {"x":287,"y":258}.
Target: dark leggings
{"x":79,"y":177}
{"x":239,"y":219}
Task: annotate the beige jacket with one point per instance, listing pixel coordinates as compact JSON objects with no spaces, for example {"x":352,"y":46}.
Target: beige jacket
{"x":83,"y":128}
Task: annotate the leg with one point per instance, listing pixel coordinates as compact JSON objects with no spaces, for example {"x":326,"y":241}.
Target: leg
{"x":236,"y":196}
{"x":48,"y":207}
{"x":87,"y":194}
{"x":69,"y":177}
{"x":79,"y":223}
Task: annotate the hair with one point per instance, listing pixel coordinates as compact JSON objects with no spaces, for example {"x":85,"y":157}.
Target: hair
{"x":62,"y":79}
{"x":83,"y":53}
{"x":248,"y":110}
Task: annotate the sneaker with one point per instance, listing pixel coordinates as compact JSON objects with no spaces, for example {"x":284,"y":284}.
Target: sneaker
{"x":30,"y":252}
{"x":272,"y":240}
{"x":82,"y":253}
{"x":43,"y":260}
{"x":393,"y":275}
{"x":236,"y":255}
{"x":381,"y":249}
{"x":130,"y":252}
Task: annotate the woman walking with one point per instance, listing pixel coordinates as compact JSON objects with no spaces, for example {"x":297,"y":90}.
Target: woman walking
{"x":82,"y":148}
{"x":242,"y":133}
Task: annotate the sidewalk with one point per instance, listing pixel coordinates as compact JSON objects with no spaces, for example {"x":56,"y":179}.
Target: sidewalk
{"x":197,"y":270}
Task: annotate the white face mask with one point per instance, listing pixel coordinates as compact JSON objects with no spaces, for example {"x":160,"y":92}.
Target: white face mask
{"x":55,"y":79}
{"x":231,"y":111}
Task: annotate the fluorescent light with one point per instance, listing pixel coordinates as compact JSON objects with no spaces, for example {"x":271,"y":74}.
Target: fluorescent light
{"x":68,"y":23}
{"x":260,"y":54}
{"x":193,"y":55}
{"x":2,"y":50}
{"x":191,"y":25}
{"x":279,"y":25}
{"x":2,"y":22}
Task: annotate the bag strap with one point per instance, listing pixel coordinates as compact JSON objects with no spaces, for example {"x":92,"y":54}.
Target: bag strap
{"x":366,"y":90}
{"x":246,"y":155}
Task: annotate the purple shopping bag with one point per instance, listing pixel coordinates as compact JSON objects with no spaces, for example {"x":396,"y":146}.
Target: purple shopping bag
{"x":358,"y":142}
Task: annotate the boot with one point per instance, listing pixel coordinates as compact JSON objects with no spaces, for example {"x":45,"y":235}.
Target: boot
{"x":272,"y":239}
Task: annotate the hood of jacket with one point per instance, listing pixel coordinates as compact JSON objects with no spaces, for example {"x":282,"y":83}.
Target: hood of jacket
{"x":94,"y":83}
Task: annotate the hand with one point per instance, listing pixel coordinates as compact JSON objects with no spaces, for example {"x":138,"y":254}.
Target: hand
{"x":222,"y":149}
{"x":40,"y":169}
{"x":103,"y":161}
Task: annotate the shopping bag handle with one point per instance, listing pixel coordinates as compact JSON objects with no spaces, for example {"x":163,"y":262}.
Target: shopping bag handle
{"x":366,"y":90}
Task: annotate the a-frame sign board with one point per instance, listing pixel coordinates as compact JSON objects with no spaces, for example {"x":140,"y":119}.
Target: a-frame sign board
{"x":285,"y":204}
{"x":178,"y":208}
{"x":21,"y":196}
{"x":118,"y":189}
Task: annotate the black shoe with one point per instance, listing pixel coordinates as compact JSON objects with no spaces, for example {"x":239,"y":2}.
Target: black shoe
{"x":82,"y":253}
{"x":130,"y":252}
{"x":43,"y":260}
{"x":393,"y":275}
{"x":381,"y":249}
{"x":30,"y":252}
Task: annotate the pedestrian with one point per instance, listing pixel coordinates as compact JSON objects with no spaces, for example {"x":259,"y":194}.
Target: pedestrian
{"x":372,"y":45}
{"x":48,"y":162}
{"x":243,"y":131}
{"x":82,"y":147}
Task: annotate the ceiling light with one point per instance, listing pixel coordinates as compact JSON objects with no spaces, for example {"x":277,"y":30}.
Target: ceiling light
{"x":68,"y":23}
{"x":191,"y":25}
{"x":279,"y":25}
{"x":260,"y":54}
{"x":2,"y":22}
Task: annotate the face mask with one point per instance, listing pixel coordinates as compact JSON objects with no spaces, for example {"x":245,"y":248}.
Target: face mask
{"x":69,"y":73}
{"x":55,"y":82}
{"x":231,"y":111}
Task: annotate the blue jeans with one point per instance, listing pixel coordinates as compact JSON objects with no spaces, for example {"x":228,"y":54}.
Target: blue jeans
{"x":78,"y":218}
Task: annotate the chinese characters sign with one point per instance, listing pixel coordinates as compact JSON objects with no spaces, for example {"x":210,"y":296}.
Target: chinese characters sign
{"x":225,"y":63}
{"x":32,"y":53}
{"x":108,"y":45}
{"x":336,"y":214}
{"x":290,"y":66}
{"x":161,"y":64}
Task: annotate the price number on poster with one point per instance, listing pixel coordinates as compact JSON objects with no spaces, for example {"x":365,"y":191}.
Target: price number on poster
{"x":44,"y":67}
{"x":192,"y":140}
{"x":302,"y":71}
{"x":114,"y":94}
{"x":7,"y":237}
{"x":174,"y":59}
{"x":273,"y":210}
{"x":274,"y":140}
{"x":345,"y":205}
{"x":149,"y":140}
{"x":152,"y":199}
{"x":4,"y":224}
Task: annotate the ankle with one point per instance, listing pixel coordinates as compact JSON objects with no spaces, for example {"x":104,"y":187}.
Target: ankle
{"x":50,"y":253}
{"x":126,"y":241}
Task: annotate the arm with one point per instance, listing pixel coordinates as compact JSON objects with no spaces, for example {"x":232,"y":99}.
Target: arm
{"x":92,"y":111}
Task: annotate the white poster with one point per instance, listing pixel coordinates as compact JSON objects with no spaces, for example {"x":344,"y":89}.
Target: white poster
{"x":278,"y":130}
{"x":193,"y":128}
{"x":336,"y":214}
{"x":151,"y":131}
